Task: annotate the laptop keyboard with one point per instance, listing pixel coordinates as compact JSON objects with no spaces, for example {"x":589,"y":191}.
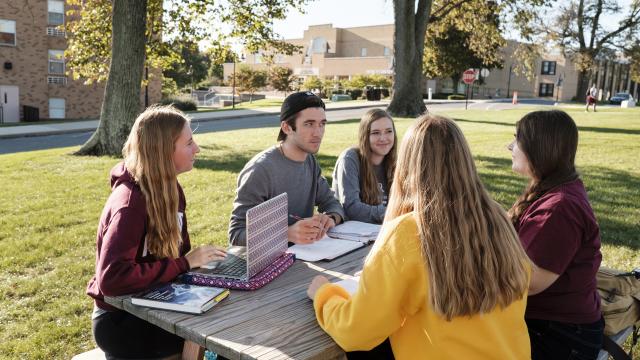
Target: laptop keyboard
{"x":231,"y":266}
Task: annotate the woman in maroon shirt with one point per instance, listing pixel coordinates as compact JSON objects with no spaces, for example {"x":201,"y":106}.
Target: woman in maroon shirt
{"x":559,"y":232}
{"x":142,"y":239}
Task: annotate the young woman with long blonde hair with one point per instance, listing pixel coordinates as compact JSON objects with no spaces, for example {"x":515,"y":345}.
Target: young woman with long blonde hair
{"x":447,"y":278}
{"x":559,"y":232}
{"x":142,"y":238}
{"x":364,"y":174}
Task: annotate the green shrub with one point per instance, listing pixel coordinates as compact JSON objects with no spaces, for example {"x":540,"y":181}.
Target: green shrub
{"x":456,"y":97}
{"x":355,"y":93}
{"x":182,"y":103}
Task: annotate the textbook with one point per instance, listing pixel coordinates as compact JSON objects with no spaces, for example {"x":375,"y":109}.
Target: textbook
{"x":326,"y":248}
{"x":186,"y":298}
{"x":355,"y":231}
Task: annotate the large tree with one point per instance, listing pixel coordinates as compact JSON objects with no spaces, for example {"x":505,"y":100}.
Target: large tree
{"x":451,"y":47}
{"x":281,"y":78}
{"x":193,"y":67}
{"x":250,"y":80}
{"x":582,"y":30}
{"x":633,"y":54}
{"x":116,"y":39}
{"x":412,"y":19}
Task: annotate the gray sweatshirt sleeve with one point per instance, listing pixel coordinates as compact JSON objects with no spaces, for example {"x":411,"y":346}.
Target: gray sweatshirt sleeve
{"x":325,"y":199}
{"x":346,"y":184}
{"x":253,"y":189}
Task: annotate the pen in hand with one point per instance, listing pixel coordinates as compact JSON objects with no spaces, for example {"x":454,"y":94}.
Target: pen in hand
{"x":299,"y":218}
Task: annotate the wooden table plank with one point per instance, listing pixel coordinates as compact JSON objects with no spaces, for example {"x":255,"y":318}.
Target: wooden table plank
{"x":275,"y":322}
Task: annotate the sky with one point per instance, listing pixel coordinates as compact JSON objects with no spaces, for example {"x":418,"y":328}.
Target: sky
{"x":352,"y":13}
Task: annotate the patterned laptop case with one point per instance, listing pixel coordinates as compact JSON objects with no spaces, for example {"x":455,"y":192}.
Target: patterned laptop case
{"x":266,"y":233}
{"x":265,"y":252}
{"x":261,"y":279}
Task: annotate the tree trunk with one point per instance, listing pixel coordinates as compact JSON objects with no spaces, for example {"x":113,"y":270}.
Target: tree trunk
{"x":408,"y":39}
{"x":583,"y":86}
{"x":121,"y":102}
{"x":456,"y":80}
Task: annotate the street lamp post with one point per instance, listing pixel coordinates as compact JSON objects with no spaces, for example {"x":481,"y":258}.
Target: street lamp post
{"x":509,"y":81}
{"x":233,"y":92}
{"x":233,"y":95}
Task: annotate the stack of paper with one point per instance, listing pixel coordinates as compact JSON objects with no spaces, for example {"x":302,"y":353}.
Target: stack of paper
{"x":355,"y":231}
{"x":324,"y":249}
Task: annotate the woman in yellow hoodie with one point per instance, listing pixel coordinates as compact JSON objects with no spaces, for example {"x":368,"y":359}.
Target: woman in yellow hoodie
{"x":447,"y":278}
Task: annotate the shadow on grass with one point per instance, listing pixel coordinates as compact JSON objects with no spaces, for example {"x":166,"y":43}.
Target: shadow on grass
{"x":218,"y":157}
{"x":222,"y":158}
{"x":613,"y":194}
{"x":580,"y":128}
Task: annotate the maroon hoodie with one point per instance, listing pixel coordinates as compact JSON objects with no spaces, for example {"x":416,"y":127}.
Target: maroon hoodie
{"x":121,"y":265}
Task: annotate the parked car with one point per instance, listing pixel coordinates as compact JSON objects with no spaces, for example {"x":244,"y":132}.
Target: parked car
{"x":619,"y":97}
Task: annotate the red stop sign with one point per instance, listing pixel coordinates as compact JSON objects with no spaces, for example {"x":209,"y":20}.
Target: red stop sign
{"x":469,"y":76}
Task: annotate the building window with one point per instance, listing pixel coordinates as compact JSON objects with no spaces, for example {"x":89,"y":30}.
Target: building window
{"x":54,"y":31}
{"x":56,"y":61}
{"x":60,"y":80}
{"x":56,"y":108}
{"x":56,"y":12}
{"x":545,"y":89}
{"x":7,"y":32}
{"x":548,"y":68}
{"x":363,"y":52}
{"x":319,"y":45}
{"x":387,"y":51}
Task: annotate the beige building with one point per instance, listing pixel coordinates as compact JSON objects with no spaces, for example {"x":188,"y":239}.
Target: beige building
{"x":339,"y":53}
{"x":335,"y":53}
{"x":32,"y":66}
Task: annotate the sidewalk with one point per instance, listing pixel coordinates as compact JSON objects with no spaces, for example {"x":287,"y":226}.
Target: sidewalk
{"x":90,"y":125}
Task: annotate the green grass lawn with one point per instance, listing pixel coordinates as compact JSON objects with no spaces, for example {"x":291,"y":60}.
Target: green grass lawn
{"x":51,"y":202}
{"x":262,"y":103}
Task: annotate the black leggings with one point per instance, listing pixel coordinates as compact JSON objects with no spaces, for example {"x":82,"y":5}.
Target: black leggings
{"x":552,"y":340}
{"x":125,"y":336}
{"x":380,"y":352}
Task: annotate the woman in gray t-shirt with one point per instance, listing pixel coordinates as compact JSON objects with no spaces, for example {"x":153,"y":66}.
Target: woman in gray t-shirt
{"x":363,"y":174}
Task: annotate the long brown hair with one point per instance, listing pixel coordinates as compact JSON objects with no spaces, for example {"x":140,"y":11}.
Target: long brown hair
{"x":473,"y":257}
{"x":369,"y":191}
{"x":148,"y":156}
{"x":549,"y":140}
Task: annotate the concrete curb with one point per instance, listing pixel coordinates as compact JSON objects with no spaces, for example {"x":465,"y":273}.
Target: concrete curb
{"x":223,"y":117}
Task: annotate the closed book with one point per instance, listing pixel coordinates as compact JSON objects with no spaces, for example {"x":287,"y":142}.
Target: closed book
{"x":186,"y":298}
{"x":355,"y":231}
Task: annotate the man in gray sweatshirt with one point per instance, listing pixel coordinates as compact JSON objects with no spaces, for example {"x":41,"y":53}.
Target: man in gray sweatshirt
{"x":291,"y":167}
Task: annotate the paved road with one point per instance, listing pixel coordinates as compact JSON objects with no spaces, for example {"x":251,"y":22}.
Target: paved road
{"x":14,"y":145}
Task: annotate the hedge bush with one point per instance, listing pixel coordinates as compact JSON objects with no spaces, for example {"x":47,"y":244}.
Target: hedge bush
{"x":355,"y":93}
{"x":456,"y":97}
{"x":183,"y":104}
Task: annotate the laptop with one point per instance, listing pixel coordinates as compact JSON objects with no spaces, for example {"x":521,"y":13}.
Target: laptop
{"x":266,"y":226}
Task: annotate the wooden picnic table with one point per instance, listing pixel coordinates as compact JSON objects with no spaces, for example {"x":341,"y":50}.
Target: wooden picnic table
{"x":275,"y":322}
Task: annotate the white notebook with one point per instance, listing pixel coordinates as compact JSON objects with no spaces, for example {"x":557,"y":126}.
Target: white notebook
{"x":324,"y":249}
{"x":349,"y":284}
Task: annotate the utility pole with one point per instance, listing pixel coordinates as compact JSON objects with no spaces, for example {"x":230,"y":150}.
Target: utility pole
{"x":509,"y":79}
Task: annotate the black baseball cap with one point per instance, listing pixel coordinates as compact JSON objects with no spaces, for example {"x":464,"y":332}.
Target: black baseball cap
{"x":297,"y":102}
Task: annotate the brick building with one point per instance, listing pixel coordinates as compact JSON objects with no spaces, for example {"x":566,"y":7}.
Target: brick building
{"x":32,"y":65}
{"x":339,"y":53}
